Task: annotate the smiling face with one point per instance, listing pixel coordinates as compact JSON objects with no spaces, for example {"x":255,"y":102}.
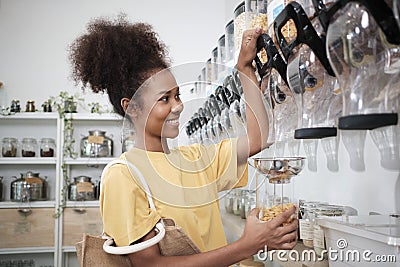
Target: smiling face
{"x":160,"y":108}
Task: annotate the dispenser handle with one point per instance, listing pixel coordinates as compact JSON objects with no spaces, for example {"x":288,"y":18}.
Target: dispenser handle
{"x":274,"y":57}
{"x":306,"y":34}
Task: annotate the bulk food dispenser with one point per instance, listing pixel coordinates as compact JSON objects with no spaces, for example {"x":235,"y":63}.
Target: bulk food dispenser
{"x":363,"y":43}
{"x":312,"y":81}
{"x":278,"y":97}
{"x":274,"y":183}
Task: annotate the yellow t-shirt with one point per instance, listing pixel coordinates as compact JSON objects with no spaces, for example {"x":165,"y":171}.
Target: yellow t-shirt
{"x":184,"y":185}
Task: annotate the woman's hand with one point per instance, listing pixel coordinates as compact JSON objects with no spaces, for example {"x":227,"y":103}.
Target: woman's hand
{"x":273,"y":234}
{"x":248,"y":49}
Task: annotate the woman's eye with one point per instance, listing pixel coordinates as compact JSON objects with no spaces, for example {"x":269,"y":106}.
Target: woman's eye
{"x":164,"y":98}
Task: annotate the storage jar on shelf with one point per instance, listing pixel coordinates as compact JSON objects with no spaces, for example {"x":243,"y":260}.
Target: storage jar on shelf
{"x":81,"y":189}
{"x":97,"y":144}
{"x":9,"y":147}
{"x":47,"y":147}
{"x":29,"y":147}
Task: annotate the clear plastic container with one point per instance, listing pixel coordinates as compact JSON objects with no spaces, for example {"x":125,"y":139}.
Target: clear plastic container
{"x":221,"y":57}
{"x":208,"y":71}
{"x":9,"y":147}
{"x":240,"y":25}
{"x":230,"y":41}
{"x":318,"y":233}
{"x":47,"y":147}
{"x":214,"y":65}
{"x":256,"y":17}
{"x":29,"y":147}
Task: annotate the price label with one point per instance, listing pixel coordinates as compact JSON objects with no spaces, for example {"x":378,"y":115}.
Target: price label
{"x":84,"y":187}
{"x":96,"y":139}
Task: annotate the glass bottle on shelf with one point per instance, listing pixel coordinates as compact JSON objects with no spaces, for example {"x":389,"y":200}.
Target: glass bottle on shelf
{"x":229,"y":202}
{"x":9,"y":147}
{"x":250,"y":202}
{"x":47,"y":147}
{"x":29,"y":147}
{"x":306,"y":224}
{"x":236,"y":201}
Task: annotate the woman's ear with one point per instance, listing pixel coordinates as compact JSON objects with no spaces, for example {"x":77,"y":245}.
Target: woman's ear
{"x":129,"y":106}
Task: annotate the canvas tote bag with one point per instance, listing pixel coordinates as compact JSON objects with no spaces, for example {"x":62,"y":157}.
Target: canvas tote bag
{"x":98,"y":251}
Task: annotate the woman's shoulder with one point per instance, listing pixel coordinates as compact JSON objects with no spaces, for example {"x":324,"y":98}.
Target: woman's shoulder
{"x":195,"y":151}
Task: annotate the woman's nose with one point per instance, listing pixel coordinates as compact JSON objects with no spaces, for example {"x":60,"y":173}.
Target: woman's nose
{"x":177,"y":107}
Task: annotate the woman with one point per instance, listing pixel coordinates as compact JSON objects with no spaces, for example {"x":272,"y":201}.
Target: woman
{"x":129,"y":63}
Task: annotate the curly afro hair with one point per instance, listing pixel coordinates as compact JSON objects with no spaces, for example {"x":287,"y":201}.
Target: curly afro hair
{"x":116,"y":57}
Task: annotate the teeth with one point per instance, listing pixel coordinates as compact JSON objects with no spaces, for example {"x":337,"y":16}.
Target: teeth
{"x":173,"y":121}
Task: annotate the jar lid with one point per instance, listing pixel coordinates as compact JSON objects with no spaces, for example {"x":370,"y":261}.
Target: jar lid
{"x":82,"y":178}
{"x":97,"y":132}
{"x":221,"y":40}
{"x":31,"y":174}
{"x":239,"y":9}
{"x":229,"y":24}
{"x":9,"y":139}
{"x":29,"y":140}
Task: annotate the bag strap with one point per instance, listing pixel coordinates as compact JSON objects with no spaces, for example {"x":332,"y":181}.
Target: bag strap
{"x":139,"y":175}
{"x":108,"y":244}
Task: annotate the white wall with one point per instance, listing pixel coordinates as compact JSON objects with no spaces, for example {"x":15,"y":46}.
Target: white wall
{"x":34,"y":37}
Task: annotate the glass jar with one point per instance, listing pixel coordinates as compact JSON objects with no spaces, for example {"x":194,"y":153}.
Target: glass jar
{"x":274,"y":191}
{"x":97,"y":144}
{"x":306,"y":224}
{"x":30,"y":106}
{"x":237,"y":194}
{"x":250,"y":202}
{"x":230,"y":42}
{"x":47,"y":147}
{"x":243,"y":199}
{"x":318,"y":233}
{"x":81,"y":189}
{"x":240,"y":25}
{"x":9,"y":147}
{"x":15,"y":106}
{"x":229,"y":202}
{"x":29,"y":147}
